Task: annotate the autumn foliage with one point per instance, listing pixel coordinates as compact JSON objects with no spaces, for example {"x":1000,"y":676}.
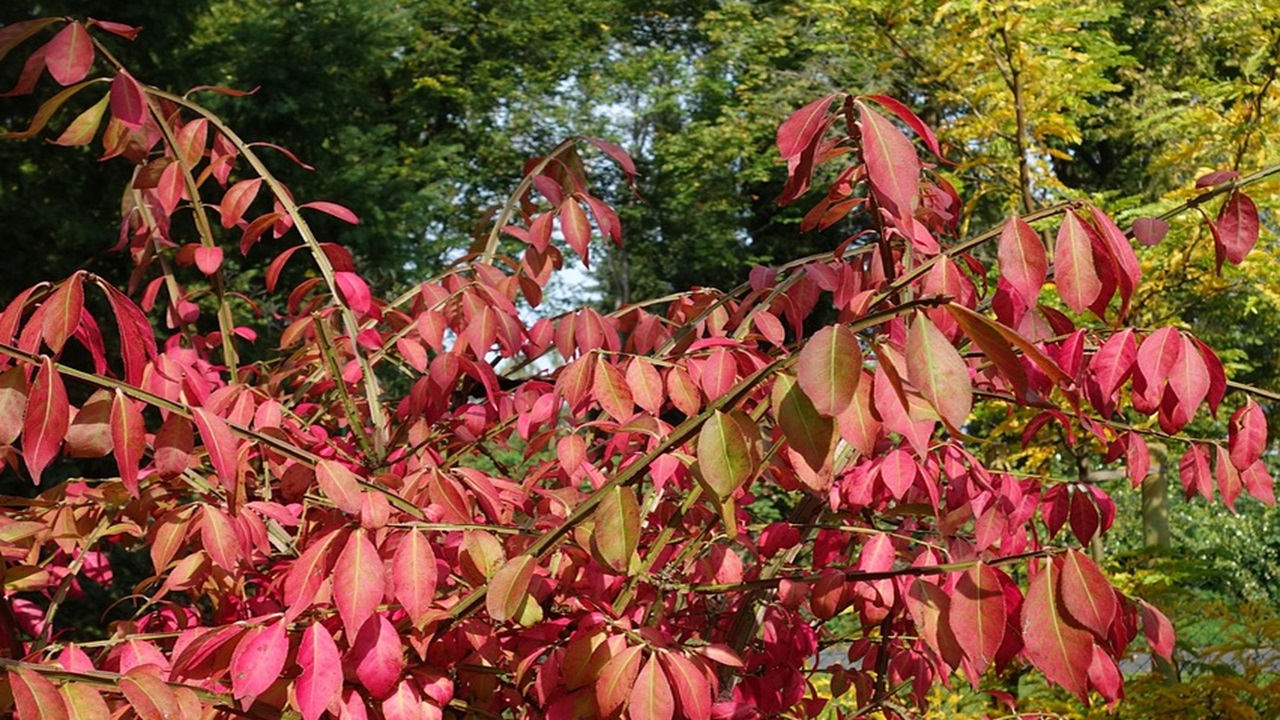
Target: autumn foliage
{"x":331,"y":533}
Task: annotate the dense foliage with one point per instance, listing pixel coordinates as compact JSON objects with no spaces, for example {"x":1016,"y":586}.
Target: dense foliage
{"x":406,"y":509}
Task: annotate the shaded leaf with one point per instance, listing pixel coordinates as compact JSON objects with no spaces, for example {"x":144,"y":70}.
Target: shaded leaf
{"x":69,"y":55}
{"x":617,"y":531}
{"x":509,"y":588}
{"x":803,"y":128}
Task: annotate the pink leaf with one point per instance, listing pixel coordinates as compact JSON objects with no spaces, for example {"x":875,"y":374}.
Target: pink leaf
{"x":340,"y":485}
{"x":237,"y":200}
{"x":978,"y":615}
{"x":1238,"y":227}
{"x":1216,"y":177}
{"x":1150,"y":231}
{"x":321,"y":677}
{"x":355,"y":293}
{"x":128,"y":438}
{"x":1086,"y":594}
{"x":1023,"y":262}
{"x":47,"y":419}
{"x":1057,"y":646}
{"x":651,"y":696}
{"x":829,"y":368}
{"x":1158,"y":629}
{"x":690,"y":686}
{"x":912,"y":121}
{"x":803,"y":128}
{"x":935,"y":367}
{"x":69,"y":55}
{"x":414,"y":576}
{"x":220,"y":443}
{"x":62,"y":312}
{"x":208,"y":259}
{"x":892,"y":164}
{"x":258,"y":661}
{"x":357,"y":581}
{"x":378,"y":653}
{"x":1074,"y":272}
{"x":1247,"y":434}
{"x":333,"y":209}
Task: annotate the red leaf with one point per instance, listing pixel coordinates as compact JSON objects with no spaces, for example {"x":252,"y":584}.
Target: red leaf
{"x":1074,"y":272}
{"x":1216,"y":177}
{"x":62,"y":312}
{"x":173,"y":444}
{"x":509,"y":588}
{"x":237,"y":199}
{"x":307,"y":574}
{"x":355,"y":293}
{"x":333,"y":209}
{"x":803,"y":128}
{"x":128,"y":32}
{"x":137,"y":340}
{"x":357,"y":581}
{"x":339,"y":485}
{"x":128,"y":437}
{"x":1193,"y":469}
{"x":128,"y":101}
{"x":36,"y":696}
{"x":1247,"y":434}
{"x":618,"y":155}
{"x":892,"y":164}
{"x":690,"y":685}
{"x":321,"y":677}
{"x":258,"y":661}
{"x":1158,"y":629}
{"x":149,"y":696}
{"x":414,"y":576}
{"x":378,"y":653}
{"x":937,"y":370}
{"x":576,"y":228}
{"x":220,"y":443}
{"x":1238,"y":227}
{"x":978,"y":615}
{"x":651,"y":697}
{"x":219,"y":538}
{"x":69,"y":55}
{"x":911,"y":120}
{"x":1229,"y":481}
{"x":611,"y":391}
{"x":1150,"y":231}
{"x":646,"y":385}
{"x":1188,"y":378}
{"x":1086,"y":594}
{"x":48,"y":416}
{"x":1114,"y":361}
{"x":1058,"y":647}
{"x":1130,"y":271}
{"x":208,"y":259}
{"x":1258,"y":483}
{"x":829,"y":368}
{"x":1023,"y":262}
{"x":616,"y":679}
